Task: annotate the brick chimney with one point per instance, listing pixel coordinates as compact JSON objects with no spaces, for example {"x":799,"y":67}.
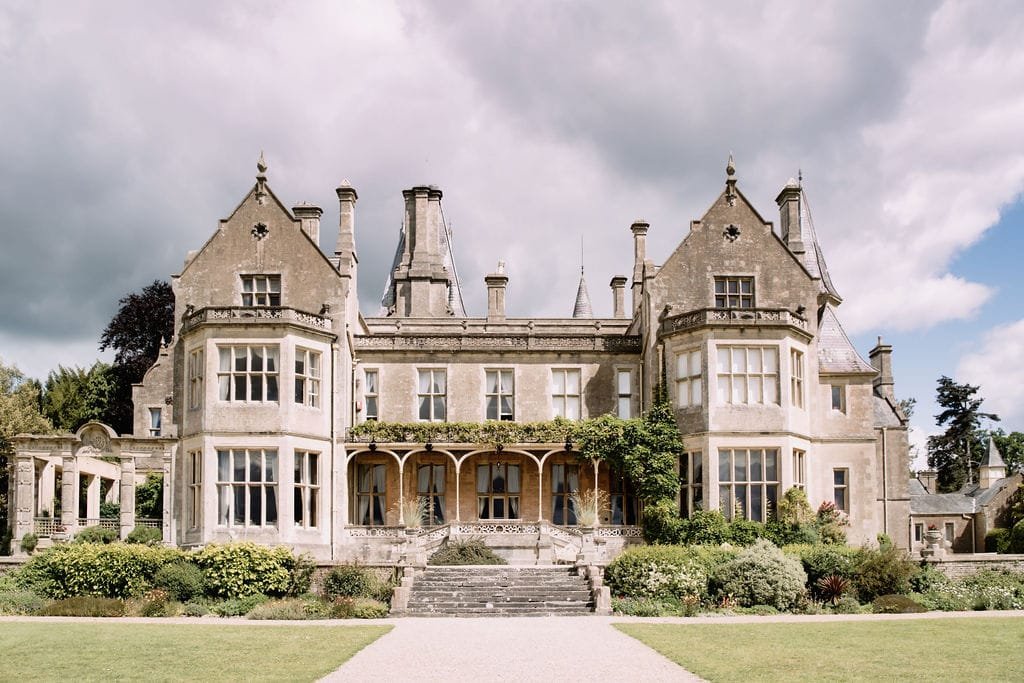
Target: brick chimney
{"x":618,"y":285}
{"x":309,"y":217}
{"x":496,"y":284}
{"x":928,"y":479}
{"x":345,"y":249}
{"x":789,"y":216}
{"x":421,"y":279}
{"x":881,"y":360}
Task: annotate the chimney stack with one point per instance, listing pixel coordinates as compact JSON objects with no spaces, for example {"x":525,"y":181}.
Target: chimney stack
{"x":618,"y":285}
{"x":309,"y":216}
{"x":928,"y":479}
{"x":639,"y":229}
{"x":345,"y":249}
{"x":881,"y":360}
{"x":789,"y":216}
{"x":496,"y":284}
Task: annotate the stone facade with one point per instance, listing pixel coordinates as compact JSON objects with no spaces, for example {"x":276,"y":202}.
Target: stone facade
{"x":272,"y":363}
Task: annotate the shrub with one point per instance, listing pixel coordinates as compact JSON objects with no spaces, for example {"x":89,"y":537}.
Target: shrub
{"x":705,"y":527}
{"x":110,"y":510}
{"x":350,"y":581}
{"x":300,"y":575}
{"x":662,"y":524}
{"x":358,"y":608}
{"x":782,"y":534}
{"x":182,"y":580}
{"x":831,"y":523}
{"x":831,"y":587}
{"x":657,"y":572}
{"x":927,"y":579}
{"x":883,"y":572}
{"x":29,"y":542}
{"x":20,"y":602}
{"x":997,"y":541}
{"x":1016,"y":544}
{"x":820,"y":561}
{"x":238,"y":607}
{"x":145,"y":535}
{"x":793,"y":509}
{"x":711,"y":557}
{"x":157,"y":603}
{"x":761,"y":575}
{"x":744,"y":532}
{"x":96,"y":534}
{"x":195,"y":609}
{"x":114,"y":571}
{"x":470,"y":551}
{"x":240,"y":569}
{"x":896,"y":604}
{"x":847,"y":605}
{"x":288,"y":608}
{"x":84,"y":606}
{"x":989,"y":589}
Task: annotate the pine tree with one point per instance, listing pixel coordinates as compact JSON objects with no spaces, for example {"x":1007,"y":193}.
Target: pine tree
{"x":956,"y":452}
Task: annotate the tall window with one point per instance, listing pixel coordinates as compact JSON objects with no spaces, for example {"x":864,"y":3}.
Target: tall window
{"x":624,"y":389}
{"x":565,"y":393}
{"x":307,"y":377}
{"x":799,"y":468}
{"x":688,"y":378}
{"x":841,"y":489}
{"x":796,"y":378}
{"x":432,"y":395}
{"x":734,"y":292}
{"x":622,"y":499}
{"x":565,"y":481}
{"x":195,"y":379}
{"x":497,"y":491}
{"x":919,"y":533}
{"x":691,"y":480}
{"x":838,"y":397}
{"x":194,"y":501}
{"x":371,"y":492}
{"x":247,"y":373}
{"x":247,"y":486}
{"x":430,"y":483}
{"x":307,"y":489}
{"x":748,"y":374}
{"x":748,"y":482}
{"x":155,"y":418}
{"x":371,"y":392}
{"x":261,"y":290}
{"x":500,"y":395}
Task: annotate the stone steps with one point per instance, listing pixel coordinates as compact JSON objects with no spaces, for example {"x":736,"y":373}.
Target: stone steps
{"x":501,"y":590}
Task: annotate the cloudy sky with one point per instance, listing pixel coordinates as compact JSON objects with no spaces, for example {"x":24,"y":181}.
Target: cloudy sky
{"x":128,"y":129}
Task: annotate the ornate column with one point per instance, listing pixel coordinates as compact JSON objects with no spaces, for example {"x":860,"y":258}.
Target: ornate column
{"x":165,"y":514}
{"x":24,"y":498}
{"x":127,"y":494}
{"x":92,"y":497}
{"x":69,"y":494}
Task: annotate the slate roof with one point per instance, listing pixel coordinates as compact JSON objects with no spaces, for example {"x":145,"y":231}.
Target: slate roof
{"x":814,"y":259}
{"x":836,"y":355}
{"x":455,"y":301}
{"x":942,"y":504}
{"x":885,"y":415}
{"x":582,"y":308}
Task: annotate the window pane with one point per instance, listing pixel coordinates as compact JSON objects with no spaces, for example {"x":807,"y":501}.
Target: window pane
{"x":270,"y":468}
{"x":439,"y":381}
{"x":840,"y":477}
{"x":371,"y":382}
{"x":684,"y":469}
{"x":224,"y":355}
{"x":558,"y":377}
{"x":754,"y":360}
{"x":682,"y":366}
{"x":624,"y":382}
{"x":771,"y":364}
{"x":424,"y":382}
{"x":424,"y":407}
{"x":723,"y":360}
{"x":439,"y":412}
{"x":492,"y":382}
{"x":271,"y":515}
{"x":755,"y":513}
{"x":754,"y":390}
{"x":572,"y":408}
{"x":483,"y":478}
{"x":771,"y":389}
{"x":771,"y":465}
{"x":723,"y":389}
{"x":492,"y":407}
{"x":756,"y":465}
{"x":695,"y":392}
{"x":624,"y":408}
{"x":572,"y":379}
{"x":223,"y":466}
{"x":256,"y":387}
{"x":738,"y":360}
{"x":739,"y":388}
{"x":739,"y":465}
{"x":698,"y":467}
{"x":240,"y":388}
{"x":725,"y":465}
{"x":513,"y":478}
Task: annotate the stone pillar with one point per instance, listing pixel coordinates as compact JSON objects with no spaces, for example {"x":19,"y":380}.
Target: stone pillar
{"x":618,"y":285}
{"x":69,"y":495}
{"x":165,"y":513}
{"x":309,"y":217}
{"x":639,"y":230}
{"x":92,"y":497}
{"x":339,"y":501}
{"x":24,"y":498}
{"x":127,"y":494}
{"x":496,"y":284}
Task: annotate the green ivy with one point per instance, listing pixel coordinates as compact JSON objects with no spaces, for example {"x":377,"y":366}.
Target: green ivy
{"x":558,"y":430}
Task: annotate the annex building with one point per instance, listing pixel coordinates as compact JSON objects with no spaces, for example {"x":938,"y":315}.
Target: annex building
{"x":249,"y":408}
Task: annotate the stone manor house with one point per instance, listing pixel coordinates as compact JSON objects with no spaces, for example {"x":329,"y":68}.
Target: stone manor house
{"x":247,"y":411}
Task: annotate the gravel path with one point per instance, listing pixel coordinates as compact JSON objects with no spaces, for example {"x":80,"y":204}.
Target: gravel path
{"x":508,"y":649}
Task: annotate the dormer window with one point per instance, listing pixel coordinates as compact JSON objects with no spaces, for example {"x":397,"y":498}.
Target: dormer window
{"x":261,"y":290}
{"x":734,"y":292}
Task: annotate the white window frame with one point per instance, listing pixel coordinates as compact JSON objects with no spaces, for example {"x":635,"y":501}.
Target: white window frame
{"x":308,"y":373}
{"x":689,"y":378}
{"x":371,"y":394}
{"x":949,"y":532}
{"x":566,"y":402}
{"x":227,"y":377}
{"x":261,"y":291}
{"x":838,"y":397}
{"x":194,"y":502}
{"x":691,"y":483}
{"x":196,"y":370}
{"x":843,"y":486}
{"x":735,"y":483}
{"x":499,"y":393}
{"x":264,"y":487}
{"x":799,"y":468}
{"x":156,"y":418}
{"x":919,"y":532}
{"x":624,"y":393}
{"x":746,"y":378}
{"x":433,"y":392}
{"x":729,"y":296}
{"x":796,"y":378}
{"x":308,"y":472}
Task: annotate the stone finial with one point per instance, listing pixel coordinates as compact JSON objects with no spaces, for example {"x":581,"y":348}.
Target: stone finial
{"x":730,"y":182}
{"x":730,"y":168}
{"x":261,"y":164}
{"x":261,"y":180}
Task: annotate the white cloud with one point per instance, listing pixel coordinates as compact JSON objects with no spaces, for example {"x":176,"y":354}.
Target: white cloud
{"x":997,"y":367}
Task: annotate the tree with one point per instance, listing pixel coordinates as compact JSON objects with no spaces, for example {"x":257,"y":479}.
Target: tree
{"x":19,"y":413}
{"x":1011,"y":446}
{"x":141,"y":322}
{"x":73,"y":396}
{"x":956,"y":452}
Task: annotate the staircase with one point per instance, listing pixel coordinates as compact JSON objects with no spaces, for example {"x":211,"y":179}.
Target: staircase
{"x":502,"y":590}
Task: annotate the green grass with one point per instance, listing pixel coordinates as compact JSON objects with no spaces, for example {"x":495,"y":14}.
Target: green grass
{"x":164,"y":652}
{"x":984,"y":649}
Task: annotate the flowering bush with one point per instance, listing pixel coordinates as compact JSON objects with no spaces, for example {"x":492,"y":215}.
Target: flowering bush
{"x":657,"y":572}
{"x":762,"y":575}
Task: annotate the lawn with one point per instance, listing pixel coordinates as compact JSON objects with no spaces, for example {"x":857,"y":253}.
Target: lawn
{"x":989,"y":649}
{"x":163,"y":652}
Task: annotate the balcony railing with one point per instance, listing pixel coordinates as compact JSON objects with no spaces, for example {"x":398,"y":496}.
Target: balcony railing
{"x":732,"y":317}
{"x":103,"y":523}
{"x":47,"y":526}
{"x":243,"y":314}
{"x":153,"y":523}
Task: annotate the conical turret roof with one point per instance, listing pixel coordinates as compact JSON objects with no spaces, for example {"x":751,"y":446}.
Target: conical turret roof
{"x":582,"y":309}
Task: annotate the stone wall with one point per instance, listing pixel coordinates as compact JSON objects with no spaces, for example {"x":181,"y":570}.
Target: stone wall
{"x":961,"y":565}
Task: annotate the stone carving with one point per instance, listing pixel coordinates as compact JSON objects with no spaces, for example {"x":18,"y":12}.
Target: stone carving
{"x":616,"y":343}
{"x":95,"y":438}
